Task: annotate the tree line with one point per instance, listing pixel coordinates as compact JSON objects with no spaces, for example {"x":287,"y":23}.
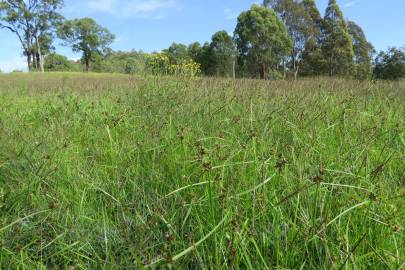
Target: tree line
{"x":278,"y":39}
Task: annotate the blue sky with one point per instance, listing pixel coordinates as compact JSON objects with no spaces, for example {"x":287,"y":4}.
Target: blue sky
{"x":151,"y":25}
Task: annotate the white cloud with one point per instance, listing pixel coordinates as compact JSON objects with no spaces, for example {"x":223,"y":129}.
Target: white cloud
{"x":134,"y":8}
{"x":16,"y":63}
{"x":230,"y":14}
{"x":350,"y":4}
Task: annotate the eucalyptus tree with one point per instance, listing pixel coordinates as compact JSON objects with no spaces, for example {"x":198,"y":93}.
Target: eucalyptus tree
{"x":262,"y":40}
{"x":313,"y":62}
{"x":177,"y":53}
{"x":363,"y":51}
{"x":337,"y":43}
{"x":203,"y":55}
{"x":86,"y":36}
{"x":390,"y":65}
{"x":267,"y":2}
{"x":33,"y":22}
{"x":223,"y":54}
{"x":300,"y":27}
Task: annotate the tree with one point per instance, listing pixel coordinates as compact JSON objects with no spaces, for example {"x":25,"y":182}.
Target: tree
{"x":32,"y":22}
{"x":363,"y":51}
{"x":202,"y":55}
{"x":313,"y":62}
{"x":177,"y":53}
{"x":86,"y":36}
{"x":194,"y":51}
{"x":300,"y":28}
{"x":390,"y":65}
{"x":266,"y":2}
{"x":48,"y":23}
{"x":42,"y":47}
{"x":337,"y":44}
{"x":262,"y":40}
{"x":315,"y":15}
{"x":223,"y":51}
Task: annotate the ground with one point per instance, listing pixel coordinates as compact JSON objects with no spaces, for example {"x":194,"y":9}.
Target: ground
{"x":119,"y":172}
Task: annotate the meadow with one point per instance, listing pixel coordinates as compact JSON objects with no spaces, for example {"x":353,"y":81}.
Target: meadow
{"x":125,"y":172}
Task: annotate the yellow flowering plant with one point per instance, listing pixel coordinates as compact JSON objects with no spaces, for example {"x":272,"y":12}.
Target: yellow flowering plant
{"x":159,"y":64}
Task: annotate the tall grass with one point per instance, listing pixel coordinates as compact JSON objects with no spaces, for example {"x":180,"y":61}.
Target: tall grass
{"x":117,"y":172}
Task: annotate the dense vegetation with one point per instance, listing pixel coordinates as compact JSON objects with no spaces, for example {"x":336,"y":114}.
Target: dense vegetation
{"x":278,"y":39}
{"x":115,"y":171}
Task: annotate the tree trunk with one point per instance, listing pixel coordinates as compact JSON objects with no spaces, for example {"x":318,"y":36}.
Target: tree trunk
{"x":41,"y":62}
{"x":233,"y":69}
{"x":262,"y":71}
{"x":35,"y":61}
{"x":295,"y":67}
{"x":284,"y":69}
{"x":296,"y":73}
{"x":29,"y":60}
{"x":29,"y":50}
{"x":87,"y":65}
{"x":40,"y":57}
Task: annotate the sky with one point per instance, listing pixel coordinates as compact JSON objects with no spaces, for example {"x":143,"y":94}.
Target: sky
{"x":152,"y":25}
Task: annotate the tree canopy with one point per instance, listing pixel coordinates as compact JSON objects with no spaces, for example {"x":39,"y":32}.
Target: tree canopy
{"x":390,"y":65}
{"x":223,"y":54}
{"x":33,"y":22}
{"x":177,"y":53}
{"x":86,"y":36}
{"x":363,"y":51}
{"x":337,"y":44}
{"x":300,"y":28}
{"x":262,"y":40}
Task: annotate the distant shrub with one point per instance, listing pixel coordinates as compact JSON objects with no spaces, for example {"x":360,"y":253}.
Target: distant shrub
{"x":186,"y":68}
{"x":390,"y":65}
{"x":363,"y":71}
{"x":120,"y":62}
{"x":160,"y":64}
{"x":132,"y":67}
{"x":275,"y":75}
{"x":57,"y":62}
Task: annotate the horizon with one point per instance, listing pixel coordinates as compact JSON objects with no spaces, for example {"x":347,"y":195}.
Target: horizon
{"x":153,"y":25}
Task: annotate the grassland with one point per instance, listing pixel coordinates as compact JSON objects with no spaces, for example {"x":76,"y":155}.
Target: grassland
{"x":118,"y":172}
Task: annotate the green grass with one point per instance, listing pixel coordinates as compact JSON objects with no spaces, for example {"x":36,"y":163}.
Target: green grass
{"x":117,"y":172}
